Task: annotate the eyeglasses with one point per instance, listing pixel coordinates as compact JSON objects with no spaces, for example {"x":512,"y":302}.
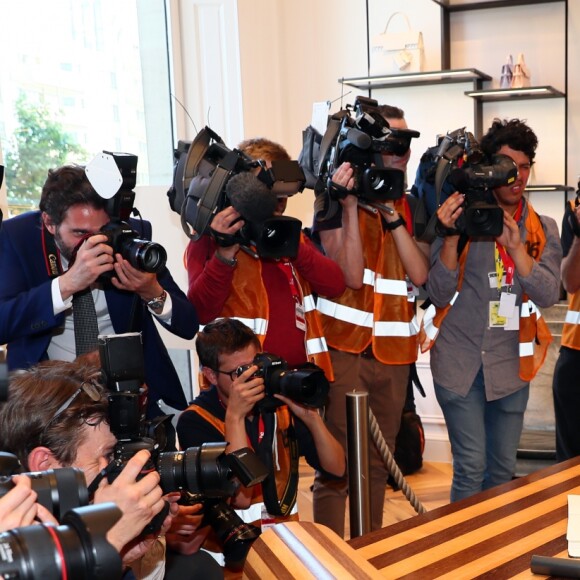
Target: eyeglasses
{"x":88,"y":388}
{"x":232,"y":374}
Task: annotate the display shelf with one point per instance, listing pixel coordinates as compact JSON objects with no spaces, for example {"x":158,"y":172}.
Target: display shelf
{"x":548,"y":188}
{"x":463,"y":5}
{"x":543,"y":92}
{"x":416,"y":79}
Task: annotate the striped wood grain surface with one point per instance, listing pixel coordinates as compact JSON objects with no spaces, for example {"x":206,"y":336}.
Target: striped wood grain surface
{"x":491,"y":535}
{"x":305,"y":551}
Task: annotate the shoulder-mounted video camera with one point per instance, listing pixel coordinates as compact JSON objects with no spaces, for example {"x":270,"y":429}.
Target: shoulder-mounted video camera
{"x":113,"y":176}
{"x":208,"y":177}
{"x":359,"y":135}
{"x":461,"y":162}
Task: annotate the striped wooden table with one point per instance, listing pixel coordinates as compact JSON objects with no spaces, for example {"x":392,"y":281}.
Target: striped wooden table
{"x":491,"y":535}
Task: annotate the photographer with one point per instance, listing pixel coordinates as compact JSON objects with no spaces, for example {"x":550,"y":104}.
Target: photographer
{"x":18,"y":508}
{"x":273,"y":296}
{"x":490,"y":336}
{"x":565,"y":385}
{"x":51,"y":256}
{"x":226,"y":412}
{"x":56,"y":416}
{"x":370,"y":328}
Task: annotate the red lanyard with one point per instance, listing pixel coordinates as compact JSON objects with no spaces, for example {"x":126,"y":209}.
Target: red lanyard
{"x":288,"y":271}
{"x":505,"y":261}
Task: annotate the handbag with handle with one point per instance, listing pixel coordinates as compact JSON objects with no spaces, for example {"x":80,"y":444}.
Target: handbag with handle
{"x":397,"y":52}
{"x":522,"y":75}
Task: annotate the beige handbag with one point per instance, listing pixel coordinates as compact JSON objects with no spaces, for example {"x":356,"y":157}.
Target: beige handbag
{"x":522,"y":75}
{"x":397,"y":52}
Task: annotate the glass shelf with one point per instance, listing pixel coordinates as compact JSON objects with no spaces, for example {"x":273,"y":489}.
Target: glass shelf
{"x":462,"y":5}
{"x":548,"y":188}
{"x":415,"y":79}
{"x":543,"y":92}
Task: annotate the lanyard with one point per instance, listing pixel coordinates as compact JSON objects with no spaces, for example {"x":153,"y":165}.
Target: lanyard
{"x":503,"y":261}
{"x":288,"y":271}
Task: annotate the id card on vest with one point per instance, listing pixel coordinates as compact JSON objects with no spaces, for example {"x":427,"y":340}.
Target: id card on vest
{"x":300,"y":316}
{"x":504,"y":313}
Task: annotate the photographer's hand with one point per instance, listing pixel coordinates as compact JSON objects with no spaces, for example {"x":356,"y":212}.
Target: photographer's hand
{"x":93,"y":258}
{"x":510,"y":238}
{"x":244,"y":393}
{"x":330,"y":452}
{"x":139,"y":500}
{"x":227,"y":222}
{"x":185,"y":535}
{"x":128,"y":278}
{"x":447,"y":213}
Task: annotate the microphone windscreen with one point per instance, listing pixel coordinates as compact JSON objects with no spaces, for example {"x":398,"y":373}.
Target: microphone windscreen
{"x":359,"y":138}
{"x":251,"y":197}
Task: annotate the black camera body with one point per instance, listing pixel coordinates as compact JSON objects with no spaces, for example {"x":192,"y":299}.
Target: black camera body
{"x":482,"y":215}
{"x":58,"y":490}
{"x":205,"y":472}
{"x":305,"y":384}
{"x":203,"y":169}
{"x":461,"y":164}
{"x":143,"y":255}
{"x":361,"y":141}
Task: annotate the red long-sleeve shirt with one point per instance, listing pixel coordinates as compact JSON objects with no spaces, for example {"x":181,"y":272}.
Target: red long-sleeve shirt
{"x":210,"y":282}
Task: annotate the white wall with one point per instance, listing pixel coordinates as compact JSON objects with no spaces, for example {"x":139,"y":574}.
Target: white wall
{"x":333,"y":44}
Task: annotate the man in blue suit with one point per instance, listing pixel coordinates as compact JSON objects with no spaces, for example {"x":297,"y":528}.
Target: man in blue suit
{"x":49,"y":255}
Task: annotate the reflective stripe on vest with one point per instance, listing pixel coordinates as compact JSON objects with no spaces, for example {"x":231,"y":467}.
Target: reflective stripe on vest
{"x":572,"y":317}
{"x":428,"y":324}
{"x":345,"y":313}
{"x":571,"y":329}
{"x":248,"y":303}
{"x":380,"y":312}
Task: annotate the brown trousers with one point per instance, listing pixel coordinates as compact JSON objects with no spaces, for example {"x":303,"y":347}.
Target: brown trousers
{"x":387,"y":388}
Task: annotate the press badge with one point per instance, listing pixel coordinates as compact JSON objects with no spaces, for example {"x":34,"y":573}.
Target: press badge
{"x":495,"y":320}
{"x":492,"y":277}
{"x":300,"y":317}
{"x":507,"y":304}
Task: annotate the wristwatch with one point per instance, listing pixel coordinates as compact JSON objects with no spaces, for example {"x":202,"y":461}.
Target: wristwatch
{"x":157,"y":302}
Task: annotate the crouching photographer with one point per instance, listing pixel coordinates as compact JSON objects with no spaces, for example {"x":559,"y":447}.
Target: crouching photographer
{"x":249,"y":400}
{"x":56,"y":415}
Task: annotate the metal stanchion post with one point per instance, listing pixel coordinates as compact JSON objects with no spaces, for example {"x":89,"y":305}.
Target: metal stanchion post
{"x":357,"y":432}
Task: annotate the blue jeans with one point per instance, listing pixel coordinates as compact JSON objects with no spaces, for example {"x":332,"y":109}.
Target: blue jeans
{"x":484,"y":436}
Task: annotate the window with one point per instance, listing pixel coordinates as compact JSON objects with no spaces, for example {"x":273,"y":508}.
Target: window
{"x":62,"y":81}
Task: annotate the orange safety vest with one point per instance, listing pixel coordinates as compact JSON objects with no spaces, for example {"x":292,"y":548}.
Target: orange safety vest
{"x":381,"y":311}
{"x":254,"y":513}
{"x":248,"y":303}
{"x":535,"y":336}
{"x":571,"y":329}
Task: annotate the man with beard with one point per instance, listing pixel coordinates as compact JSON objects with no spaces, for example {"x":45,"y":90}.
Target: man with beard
{"x":51,"y":255}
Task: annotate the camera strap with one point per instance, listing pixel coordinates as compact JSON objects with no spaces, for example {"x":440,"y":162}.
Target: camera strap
{"x":51,"y":254}
{"x":283,"y":435}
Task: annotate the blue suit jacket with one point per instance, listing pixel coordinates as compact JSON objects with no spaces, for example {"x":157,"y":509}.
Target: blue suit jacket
{"x":26,"y":311}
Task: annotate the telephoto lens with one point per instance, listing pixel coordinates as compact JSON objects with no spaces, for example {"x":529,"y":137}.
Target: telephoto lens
{"x":59,"y":490}
{"x":76,"y":549}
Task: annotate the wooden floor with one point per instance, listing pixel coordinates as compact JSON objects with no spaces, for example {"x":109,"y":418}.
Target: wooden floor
{"x":431,"y":486}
